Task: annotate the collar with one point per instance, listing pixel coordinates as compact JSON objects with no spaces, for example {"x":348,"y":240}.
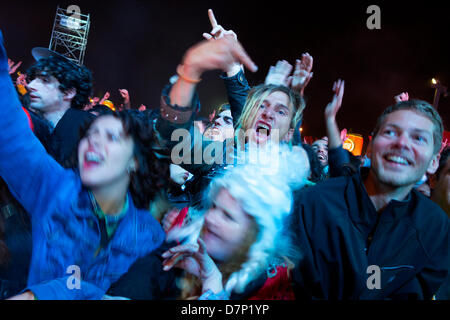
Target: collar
{"x":108,"y":218}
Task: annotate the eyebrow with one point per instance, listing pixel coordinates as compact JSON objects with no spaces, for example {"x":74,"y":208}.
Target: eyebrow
{"x":277,"y":105}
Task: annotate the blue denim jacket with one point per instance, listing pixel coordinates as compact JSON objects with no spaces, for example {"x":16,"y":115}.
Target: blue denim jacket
{"x":65,"y":230}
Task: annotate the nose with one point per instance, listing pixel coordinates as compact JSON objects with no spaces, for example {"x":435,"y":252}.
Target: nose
{"x":403,"y":141}
{"x":30,"y":86}
{"x":218,"y":122}
{"x":268,"y":113}
{"x":94,"y":139}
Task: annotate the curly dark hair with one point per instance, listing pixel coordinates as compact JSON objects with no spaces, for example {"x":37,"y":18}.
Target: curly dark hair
{"x":69,"y":76}
{"x":152,"y":175}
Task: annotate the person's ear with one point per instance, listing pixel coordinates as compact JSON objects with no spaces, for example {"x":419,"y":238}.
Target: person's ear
{"x":288,"y":136}
{"x":132,"y":167}
{"x":70,"y":94}
{"x":434,"y":164}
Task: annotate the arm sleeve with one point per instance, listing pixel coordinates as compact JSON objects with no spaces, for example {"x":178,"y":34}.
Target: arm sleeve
{"x":337,"y":157}
{"x":237,"y":90}
{"x":59,"y":289}
{"x":31,"y":174}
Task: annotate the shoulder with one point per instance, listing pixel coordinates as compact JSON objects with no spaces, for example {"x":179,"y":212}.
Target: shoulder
{"x":427,"y":217}
{"x":330,"y":188}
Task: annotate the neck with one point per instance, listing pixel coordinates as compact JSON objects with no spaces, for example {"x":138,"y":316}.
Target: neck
{"x":111,"y":199}
{"x":381,"y":194}
{"x":54,"y":116}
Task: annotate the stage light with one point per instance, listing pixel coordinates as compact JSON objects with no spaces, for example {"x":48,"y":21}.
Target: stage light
{"x":434,"y":81}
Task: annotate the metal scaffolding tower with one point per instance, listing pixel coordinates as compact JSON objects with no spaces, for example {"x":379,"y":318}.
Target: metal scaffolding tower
{"x":70,"y":33}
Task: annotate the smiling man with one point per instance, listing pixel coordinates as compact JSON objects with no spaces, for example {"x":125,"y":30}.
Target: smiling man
{"x":375,"y":219}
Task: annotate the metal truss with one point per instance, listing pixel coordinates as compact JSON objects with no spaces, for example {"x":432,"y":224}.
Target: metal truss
{"x":69,"y":34}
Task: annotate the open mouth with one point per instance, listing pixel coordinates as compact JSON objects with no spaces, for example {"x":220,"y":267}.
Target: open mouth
{"x":263,"y":129}
{"x":397,"y":160}
{"x":92,"y":159}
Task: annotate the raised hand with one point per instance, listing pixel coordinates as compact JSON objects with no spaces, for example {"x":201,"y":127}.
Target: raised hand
{"x":217,"y":31}
{"x":142,"y":108}
{"x":12,"y":67}
{"x":215,"y":55}
{"x":21,"y":80}
{"x":336,"y":103}
{"x":194,"y":259}
{"x":344,"y":135}
{"x":334,"y":136}
{"x":404,"y":96}
{"x":126,"y":98}
{"x":302,"y":73}
{"x":105,"y":97}
{"x":279,"y":74}
{"x":124,"y":93}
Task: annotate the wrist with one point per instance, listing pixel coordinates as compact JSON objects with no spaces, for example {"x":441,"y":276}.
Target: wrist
{"x":213,"y":282}
{"x":190,"y":68}
{"x":233,"y":70}
{"x":188,"y":73}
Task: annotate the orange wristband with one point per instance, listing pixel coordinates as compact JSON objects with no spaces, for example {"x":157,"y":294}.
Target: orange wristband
{"x":182,"y":76}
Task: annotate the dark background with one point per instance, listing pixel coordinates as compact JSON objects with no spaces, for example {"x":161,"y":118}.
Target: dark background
{"x":138,"y":44}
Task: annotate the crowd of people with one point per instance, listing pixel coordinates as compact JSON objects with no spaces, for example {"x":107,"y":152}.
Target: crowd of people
{"x":105,"y":201}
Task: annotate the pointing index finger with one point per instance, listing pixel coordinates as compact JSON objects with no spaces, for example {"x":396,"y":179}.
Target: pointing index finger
{"x":212,"y":19}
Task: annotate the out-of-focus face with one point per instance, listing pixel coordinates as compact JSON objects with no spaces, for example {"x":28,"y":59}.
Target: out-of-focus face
{"x":178,"y":174}
{"x":321,"y":148}
{"x":222,"y":127}
{"x":226,"y":226}
{"x":105,"y":154}
{"x":402,"y":151}
{"x":45,"y":94}
{"x":441,"y":192}
{"x":274,"y":115}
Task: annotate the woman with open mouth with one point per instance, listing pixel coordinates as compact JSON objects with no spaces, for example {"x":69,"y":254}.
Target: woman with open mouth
{"x":90,"y":224}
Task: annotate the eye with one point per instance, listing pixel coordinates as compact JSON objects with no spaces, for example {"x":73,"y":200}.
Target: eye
{"x":112,"y":137}
{"x":227,"y":216}
{"x":389,"y":132}
{"x":420,"y":139}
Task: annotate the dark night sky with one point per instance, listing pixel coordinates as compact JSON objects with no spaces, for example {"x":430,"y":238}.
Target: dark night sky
{"x":138,"y":44}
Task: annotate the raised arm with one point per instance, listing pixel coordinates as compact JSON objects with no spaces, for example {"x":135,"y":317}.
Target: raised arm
{"x":236,"y":84}
{"x":31,"y":174}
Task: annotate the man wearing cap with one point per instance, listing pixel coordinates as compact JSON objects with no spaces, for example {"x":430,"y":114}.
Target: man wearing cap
{"x":59,"y":89}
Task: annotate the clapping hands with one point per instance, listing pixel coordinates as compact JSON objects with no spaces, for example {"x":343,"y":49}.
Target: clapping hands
{"x":280,"y":74}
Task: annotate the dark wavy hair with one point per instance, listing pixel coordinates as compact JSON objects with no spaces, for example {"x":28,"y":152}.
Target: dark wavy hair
{"x":152,"y":174}
{"x":69,"y":76}
{"x":317,"y":170}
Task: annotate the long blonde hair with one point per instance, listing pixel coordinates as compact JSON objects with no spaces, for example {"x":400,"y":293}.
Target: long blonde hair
{"x":256,"y":97}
